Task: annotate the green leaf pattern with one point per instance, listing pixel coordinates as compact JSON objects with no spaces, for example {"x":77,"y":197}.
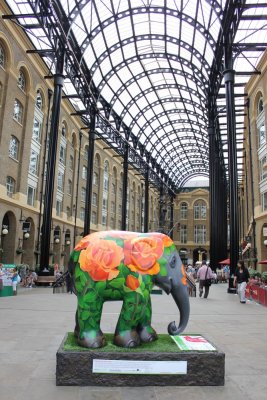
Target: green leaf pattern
{"x":136,"y":309}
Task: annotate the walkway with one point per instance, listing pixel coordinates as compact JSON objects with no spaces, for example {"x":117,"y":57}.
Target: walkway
{"x":34,"y":323}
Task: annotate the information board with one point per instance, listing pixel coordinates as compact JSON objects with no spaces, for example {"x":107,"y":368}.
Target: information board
{"x":139,"y":367}
{"x":193,"y":342}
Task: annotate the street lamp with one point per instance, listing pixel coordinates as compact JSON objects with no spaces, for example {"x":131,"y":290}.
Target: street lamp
{"x":26,"y":235}
{"x":4,"y":230}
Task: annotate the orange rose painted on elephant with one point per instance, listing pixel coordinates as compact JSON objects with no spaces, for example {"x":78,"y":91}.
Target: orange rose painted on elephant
{"x":142,"y":254}
{"x":132,"y":282}
{"x":167,"y":242}
{"x":184,"y":280}
{"x":101,"y":259}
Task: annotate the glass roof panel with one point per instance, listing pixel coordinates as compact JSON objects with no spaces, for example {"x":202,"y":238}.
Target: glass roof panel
{"x":151,"y":60}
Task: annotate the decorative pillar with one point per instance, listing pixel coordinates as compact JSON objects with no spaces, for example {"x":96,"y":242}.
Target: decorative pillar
{"x":146,"y":207}
{"x":51,"y":160}
{"x":212,"y":178}
{"x":50,"y":93}
{"x":232,"y":163}
{"x":124,"y":187}
{"x":90,"y":172}
{"x":172,"y":218}
{"x":77,"y":188}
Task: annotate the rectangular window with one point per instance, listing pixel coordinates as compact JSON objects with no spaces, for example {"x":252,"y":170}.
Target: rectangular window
{"x":94,"y":199}
{"x":84,"y":172}
{"x":34,"y":162}
{"x":60,"y":181}
{"x":31,"y":196}
{"x":82,"y":213}
{"x":37,"y":128}
{"x":264,"y":201}
{"x":71,"y":163}
{"x":83,"y":194}
{"x":183,"y":234}
{"x":105,"y":204}
{"x":62,"y":154}
{"x":113,"y":207}
{"x":263,"y":168}
{"x":18,"y":111}
{"x":58,"y":208}
{"x":200,"y":234}
{"x":105,"y":184}
{"x":104,"y":220}
{"x":94,"y":218}
{"x":10,"y":186}
{"x":261,"y":134}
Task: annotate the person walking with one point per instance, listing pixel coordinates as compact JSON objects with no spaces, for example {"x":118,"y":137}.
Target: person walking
{"x":203,"y":274}
{"x":241,"y":278}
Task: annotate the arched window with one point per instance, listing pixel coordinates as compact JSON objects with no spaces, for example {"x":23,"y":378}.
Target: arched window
{"x":97,"y":161}
{"x":39,"y":101}
{"x":22,"y":80}
{"x":2,"y":57}
{"x":200,"y":210}
{"x":106,"y":176}
{"x":261,"y":134}
{"x":183,"y":210}
{"x":14,"y":148}
{"x":95,"y":179}
{"x":260,"y":106}
{"x":18,"y":111}
{"x":73,"y":141}
{"x":63,"y":131}
{"x":10,"y":186}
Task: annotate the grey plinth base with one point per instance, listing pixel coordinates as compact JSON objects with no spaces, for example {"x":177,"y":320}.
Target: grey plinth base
{"x":74,"y":368}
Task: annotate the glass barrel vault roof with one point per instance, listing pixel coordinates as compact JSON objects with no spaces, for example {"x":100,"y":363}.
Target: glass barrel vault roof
{"x":152,"y":61}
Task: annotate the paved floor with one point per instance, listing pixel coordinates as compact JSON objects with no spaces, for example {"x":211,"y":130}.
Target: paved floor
{"x":33,"y":324}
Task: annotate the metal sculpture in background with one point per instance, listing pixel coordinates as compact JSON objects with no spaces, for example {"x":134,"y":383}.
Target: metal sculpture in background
{"x":117,"y":265}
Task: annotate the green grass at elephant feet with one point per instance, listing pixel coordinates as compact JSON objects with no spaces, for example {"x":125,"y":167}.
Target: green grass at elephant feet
{"x":164,"y":344}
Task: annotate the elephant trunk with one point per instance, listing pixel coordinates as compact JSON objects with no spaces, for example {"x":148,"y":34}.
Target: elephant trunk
{"x":180,"y":295}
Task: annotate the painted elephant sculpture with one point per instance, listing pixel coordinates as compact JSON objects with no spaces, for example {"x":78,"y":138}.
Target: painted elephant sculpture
{"x":116,"y":265}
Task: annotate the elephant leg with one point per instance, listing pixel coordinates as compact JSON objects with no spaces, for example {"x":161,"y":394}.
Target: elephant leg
{"x":145,"y":330}
{"x":126,"y":334}
{"x":88,"y":318}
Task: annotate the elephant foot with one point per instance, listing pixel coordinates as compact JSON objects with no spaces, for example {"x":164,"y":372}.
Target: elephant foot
{"x":127,"y":339}
{"x":147,"y":334}
{"x":91,"y":339}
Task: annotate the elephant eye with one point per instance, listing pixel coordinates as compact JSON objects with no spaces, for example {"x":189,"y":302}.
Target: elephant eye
{"x":173,"y":262}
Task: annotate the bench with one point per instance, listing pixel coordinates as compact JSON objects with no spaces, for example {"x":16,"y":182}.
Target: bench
{"x":48,"y":279}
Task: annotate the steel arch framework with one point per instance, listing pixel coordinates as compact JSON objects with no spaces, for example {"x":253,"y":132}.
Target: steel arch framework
{"x":153,"y":74}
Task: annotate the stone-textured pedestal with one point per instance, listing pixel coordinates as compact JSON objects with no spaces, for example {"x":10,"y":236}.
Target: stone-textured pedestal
{"x":203,"y":368}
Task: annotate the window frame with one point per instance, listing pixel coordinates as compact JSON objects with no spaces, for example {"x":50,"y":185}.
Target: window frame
{"x":17,"y":148}
{"x":10,"y":184}
{"x":18,"y":116}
